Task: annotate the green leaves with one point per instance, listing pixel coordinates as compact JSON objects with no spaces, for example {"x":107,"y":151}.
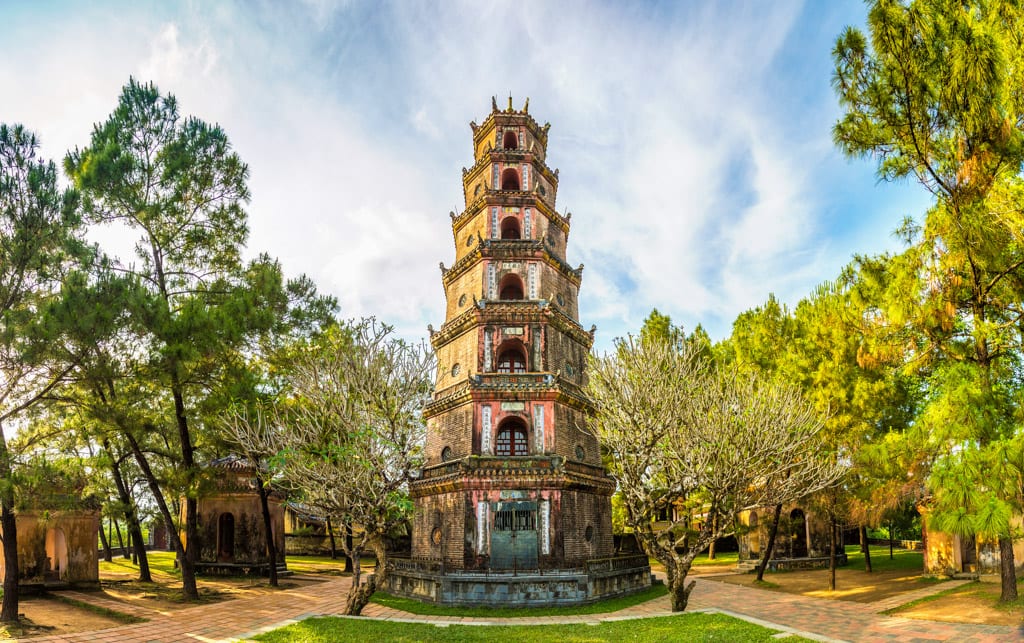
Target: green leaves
{"x":935,"y":93}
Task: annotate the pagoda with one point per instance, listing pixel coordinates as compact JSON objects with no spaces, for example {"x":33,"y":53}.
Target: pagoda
{"x":513,"y":503}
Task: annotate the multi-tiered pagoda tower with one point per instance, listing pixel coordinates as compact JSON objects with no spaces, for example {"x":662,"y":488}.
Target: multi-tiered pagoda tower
{"x":513,"y":483}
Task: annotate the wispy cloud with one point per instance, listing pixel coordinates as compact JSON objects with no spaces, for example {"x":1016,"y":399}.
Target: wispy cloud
{"x":692,"y":140}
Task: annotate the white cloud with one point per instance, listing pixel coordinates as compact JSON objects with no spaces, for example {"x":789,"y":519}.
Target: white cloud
{"x":692,"y":189}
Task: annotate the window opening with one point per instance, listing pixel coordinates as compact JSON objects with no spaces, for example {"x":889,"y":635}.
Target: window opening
{"x":510,"y":228}
{"x":511,"y":287}
{"x":511,"y":361}
{"x":510,"y":179}
{"x":512,"y":441}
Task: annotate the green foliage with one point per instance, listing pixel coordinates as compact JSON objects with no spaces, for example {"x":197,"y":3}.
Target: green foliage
{"x":58,"y":484}
{"x":935,"y":94}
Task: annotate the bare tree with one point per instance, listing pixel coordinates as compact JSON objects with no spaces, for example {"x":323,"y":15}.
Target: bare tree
{"x":704,"y":443}
{"x":349,"y":434}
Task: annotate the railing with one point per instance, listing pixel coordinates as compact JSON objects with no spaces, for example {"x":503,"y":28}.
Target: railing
{"x":476,"y":463}
{"x":506,"y":463}
{"x":514,"y":380}
{"x":617,"y":563}
{"x":595,"y":566}
{"x":427,"y":565}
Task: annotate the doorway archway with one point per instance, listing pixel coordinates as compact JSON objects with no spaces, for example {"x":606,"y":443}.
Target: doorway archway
{"x":226,"y":538}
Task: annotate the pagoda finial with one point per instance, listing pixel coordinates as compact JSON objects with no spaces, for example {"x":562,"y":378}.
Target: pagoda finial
{"x":526,"y":106}
{"x":510,"y":101}
{"x":494,"y":104}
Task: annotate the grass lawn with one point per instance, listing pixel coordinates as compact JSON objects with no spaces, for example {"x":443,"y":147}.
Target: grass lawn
{"x":160,"y":562}
{"x":722,"y":559}
{"x":603,"y":607}
{"x":902,"y":560}
{"x":323,"y":564}
{"x":684,"y":627}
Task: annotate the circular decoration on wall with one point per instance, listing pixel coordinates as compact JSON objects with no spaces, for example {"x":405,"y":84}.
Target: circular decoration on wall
{"x":589,"y":533}
{"x":560,"y":299}
{"x":540,"y":188}
{"x":446,"y":454}
{"x":476,"y":192}
{"x":569,"y":370}
{"x":435,"y":536}
{"x":580,"y":453}
{"x":469,"y":241}
{"x":462,"y":301}
{"x":456,"y":369}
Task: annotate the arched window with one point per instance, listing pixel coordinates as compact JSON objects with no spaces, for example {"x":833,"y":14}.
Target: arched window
{"x":510,"y":228}
{"x":512,"y":438}
{"x":511,"y":287}
{"x":510,"y":140}
{"x":510,"y":179}
{"x":512,"y":360}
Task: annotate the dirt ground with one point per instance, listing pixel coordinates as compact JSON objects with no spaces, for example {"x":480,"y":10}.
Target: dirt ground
{"x":851,"y":585}
{"x":46,"y":616}
{"x":971,"y":603}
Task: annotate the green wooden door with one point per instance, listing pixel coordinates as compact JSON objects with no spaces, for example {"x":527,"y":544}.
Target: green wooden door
{"x":514,"y":536}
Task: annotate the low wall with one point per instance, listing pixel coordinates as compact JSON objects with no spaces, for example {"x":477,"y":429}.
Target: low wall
{"x":817,"y":562}
{"x":308,"y":545}
{"x":899,"y":544}
{"x":600,"y":579}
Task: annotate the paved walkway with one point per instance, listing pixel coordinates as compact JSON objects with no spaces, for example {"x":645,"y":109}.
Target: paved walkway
{"x":815,"y":618}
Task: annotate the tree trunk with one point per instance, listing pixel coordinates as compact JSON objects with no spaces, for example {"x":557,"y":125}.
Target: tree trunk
{"x":360,"y":592}
{"x":330,"y":534}
{"x":865,"y":547}
{"x":188,"y":561}
{"x":9,"y":611}
{"x":9,"y":528}
{"x":711,"y":547}
{"x":268,"y":532}
{"x":349,"y":544}
{"x":120,"y":541}
{"x":107,"y":554}
{"x":130,"y":516}
{"x":1007,"y":568}
{"x":832,"y":554}
{"x":772,"y":532}
{"x":161,"y":503}
{"x":678,"y":590}
{"x":891,"y":536}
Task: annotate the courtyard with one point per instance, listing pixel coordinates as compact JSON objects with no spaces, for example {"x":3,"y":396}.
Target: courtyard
{"x":893,"y":600}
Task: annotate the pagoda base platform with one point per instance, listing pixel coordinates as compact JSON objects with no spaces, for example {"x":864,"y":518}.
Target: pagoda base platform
{"x":602,"y":578}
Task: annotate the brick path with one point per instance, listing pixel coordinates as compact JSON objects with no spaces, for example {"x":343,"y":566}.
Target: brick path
{"x":819,"y":619}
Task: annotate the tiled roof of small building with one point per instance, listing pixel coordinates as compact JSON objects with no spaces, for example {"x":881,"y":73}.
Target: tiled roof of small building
{"x":232,"y":462}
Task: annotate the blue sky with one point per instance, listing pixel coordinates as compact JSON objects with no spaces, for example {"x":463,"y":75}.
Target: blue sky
{"x":692,"y":138}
